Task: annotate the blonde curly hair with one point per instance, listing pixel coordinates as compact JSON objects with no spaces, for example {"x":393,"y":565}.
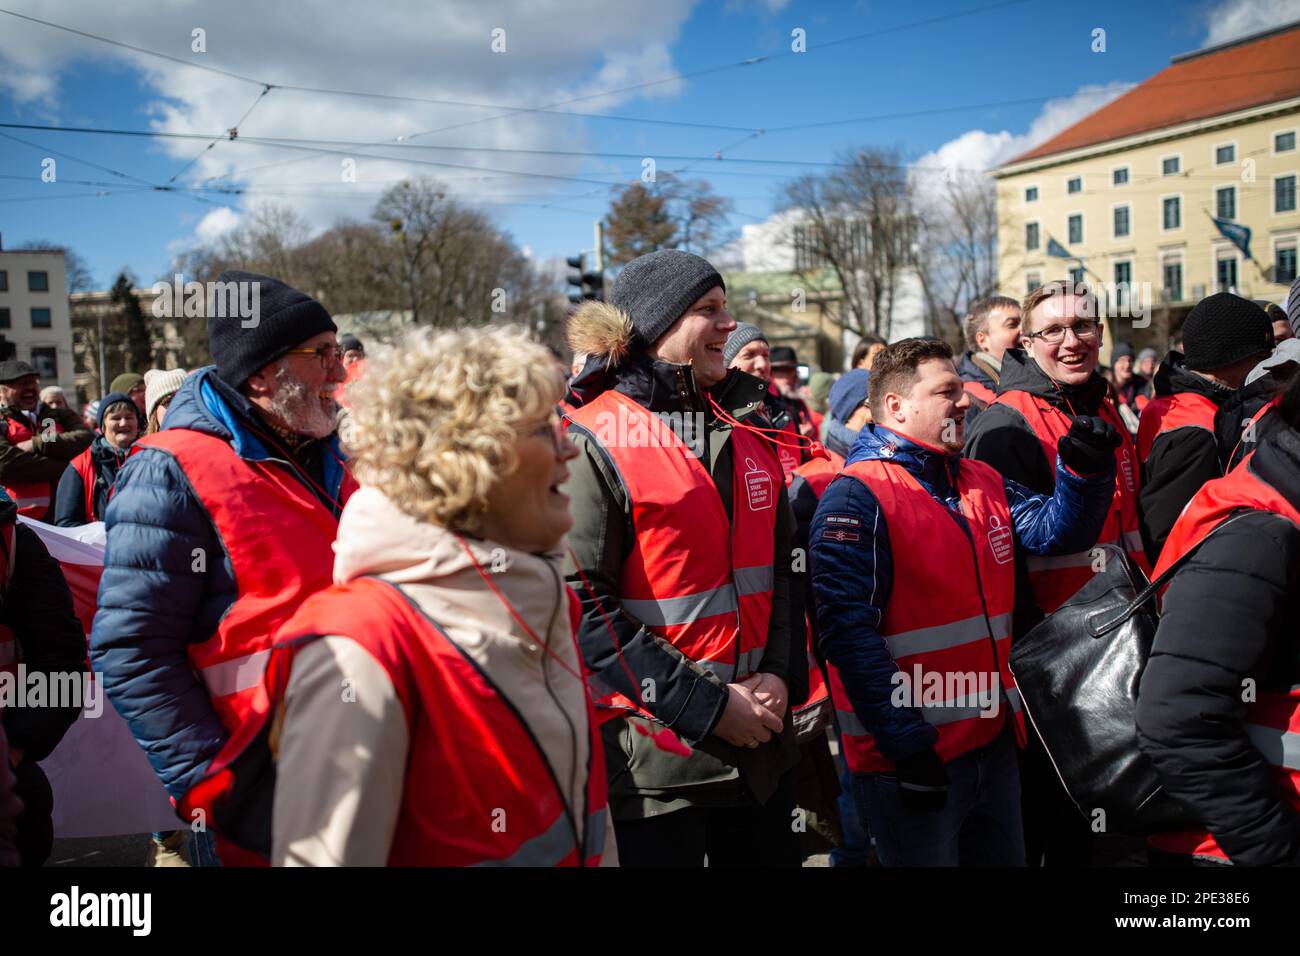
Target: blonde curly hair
{"x":435,"y":418}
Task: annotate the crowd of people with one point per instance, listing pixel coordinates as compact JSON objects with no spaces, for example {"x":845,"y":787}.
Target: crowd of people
{"x":451,"y":603}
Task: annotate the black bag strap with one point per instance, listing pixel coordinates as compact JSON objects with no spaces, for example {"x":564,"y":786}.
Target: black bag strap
{"x":1150,"y":590}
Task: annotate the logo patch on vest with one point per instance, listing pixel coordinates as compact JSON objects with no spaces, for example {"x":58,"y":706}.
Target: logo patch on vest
{"x":842,"y":528}
{"x":1126,"y":466}
{"x":999,"y":540}
{"x":758,"y":487}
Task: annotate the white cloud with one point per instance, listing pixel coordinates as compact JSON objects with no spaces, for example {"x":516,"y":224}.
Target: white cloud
{"x":554,"y":50}
{"x":1233,"y":19}
{"x":216,"y":224}
{"x":978,"y":150}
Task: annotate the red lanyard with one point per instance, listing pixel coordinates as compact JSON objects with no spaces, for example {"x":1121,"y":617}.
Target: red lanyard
{"x":298,"y":468}
{"x":815,"y":448}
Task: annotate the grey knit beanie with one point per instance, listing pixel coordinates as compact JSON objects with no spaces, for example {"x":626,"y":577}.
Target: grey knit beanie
{"x":656,"y":289}
{"x":737,"y":340}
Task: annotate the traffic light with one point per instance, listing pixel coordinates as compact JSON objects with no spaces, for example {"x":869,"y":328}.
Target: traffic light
{"x":587,"y":285}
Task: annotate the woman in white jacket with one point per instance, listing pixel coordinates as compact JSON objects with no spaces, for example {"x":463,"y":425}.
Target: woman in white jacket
{"x":435,"y":710}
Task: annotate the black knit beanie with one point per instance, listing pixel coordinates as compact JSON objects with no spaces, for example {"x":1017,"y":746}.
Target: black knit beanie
{"x":283,"y":319}
{"x":656,"y":289}
{"x":742,"y":336}
{"x":1223,"y":329}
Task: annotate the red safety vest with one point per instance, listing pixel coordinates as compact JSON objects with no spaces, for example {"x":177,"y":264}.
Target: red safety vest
{"x":818,"y":473}
{"x":949,"y":613}
{"x":1272,"y":721}
{"x":1168,"y":413}
{"x":32,"y":497}
{"x":84,"y":465}
{"x":980,"y":392}
{"x":1057,"y":579}
{"x":712,"y":602}
{"x":279,"y":539}
{"x":479,"y":790}
{"x":788,"y":440}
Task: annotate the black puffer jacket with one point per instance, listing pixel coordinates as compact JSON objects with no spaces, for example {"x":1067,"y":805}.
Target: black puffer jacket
{"x":1181,"y":460}
{"x":1232,"y":613}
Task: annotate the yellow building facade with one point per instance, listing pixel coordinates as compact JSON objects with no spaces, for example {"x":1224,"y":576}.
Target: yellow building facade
{"x":1138,"y":209}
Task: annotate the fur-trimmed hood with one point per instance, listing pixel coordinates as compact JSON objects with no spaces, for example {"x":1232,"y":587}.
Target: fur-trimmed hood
{"x":598,"y":328}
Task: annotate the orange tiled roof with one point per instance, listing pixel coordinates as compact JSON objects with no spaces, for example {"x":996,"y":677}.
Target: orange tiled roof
{"x":1225,"y":80}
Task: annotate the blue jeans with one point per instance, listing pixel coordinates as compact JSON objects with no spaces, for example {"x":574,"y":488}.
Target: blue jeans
{"x":857,"y":844}
{"x":978,"y":826}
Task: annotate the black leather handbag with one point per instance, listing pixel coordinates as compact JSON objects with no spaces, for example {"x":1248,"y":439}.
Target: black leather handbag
{"x":1078,"y":672}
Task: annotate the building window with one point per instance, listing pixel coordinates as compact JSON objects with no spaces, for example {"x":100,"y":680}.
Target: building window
{"x":1031,"y":236}
{"x":1074,"y":185}
{"x":1033,"y":280}
{"x":38,"y":282}
{"x":1284,"y":194}
{"x":1171,"y":166}
{"x":40,"y":318}
{"x":1225,"y":154}
{"x":1119,"y":177}
{"x":1225,"y":202}
{"x":1123,"y":278}
{"x":46,"y":361}
{"x":1173,"y":280}
{"x":1284,"y":268}
{"x":1173,"y":212}
{"x":4,"y":281}
{"x":1225,"y":277}
{"x":1284,"y":142}
{"x":4,"y":318}
{"x":1076,"y":276}
{"x":1121,"y":221}
{"x":1031,"y":194}
{"x":1075,"y":228}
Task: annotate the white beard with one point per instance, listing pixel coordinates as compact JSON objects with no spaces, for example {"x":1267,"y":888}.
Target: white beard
{"x":299,"y":408}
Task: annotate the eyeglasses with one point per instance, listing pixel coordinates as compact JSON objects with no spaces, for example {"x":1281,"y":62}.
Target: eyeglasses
{"x":328,"y":355}
{"x":1085,"y":330}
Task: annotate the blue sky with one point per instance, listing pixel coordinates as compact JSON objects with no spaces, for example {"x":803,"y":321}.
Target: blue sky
{"x":555,"y":50}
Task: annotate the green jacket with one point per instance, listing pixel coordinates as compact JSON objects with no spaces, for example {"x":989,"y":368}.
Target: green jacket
{"x":644,"y":780}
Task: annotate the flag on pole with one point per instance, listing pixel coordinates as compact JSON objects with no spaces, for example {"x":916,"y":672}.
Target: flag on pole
{"x":1057,"y":250}
{"x":1235,"y":233}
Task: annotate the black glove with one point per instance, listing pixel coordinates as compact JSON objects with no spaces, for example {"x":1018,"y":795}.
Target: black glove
{"x":1088,"y":448}
{"x":922,"y":781}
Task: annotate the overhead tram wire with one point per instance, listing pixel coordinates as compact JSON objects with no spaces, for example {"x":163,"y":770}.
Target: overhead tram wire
{"x":231,"y":133}
{"x":513,"y":111}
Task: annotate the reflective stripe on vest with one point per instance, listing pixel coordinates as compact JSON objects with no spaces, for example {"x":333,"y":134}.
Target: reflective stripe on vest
{"x":949,"y":615}
{"x":1271,"y":722}
{"x":485,"y":794}
{"x":1055,"y":580}
{"x":712,"y":603}
{"x":278,"y":537}
{"x":1169,"y":413}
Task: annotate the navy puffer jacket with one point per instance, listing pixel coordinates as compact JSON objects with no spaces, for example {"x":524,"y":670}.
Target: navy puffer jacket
{"x":853,"y":579}
{"x":153,"y":603}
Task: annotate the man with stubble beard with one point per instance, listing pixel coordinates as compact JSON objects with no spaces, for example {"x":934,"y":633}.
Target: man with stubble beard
{"x":219,"y":527}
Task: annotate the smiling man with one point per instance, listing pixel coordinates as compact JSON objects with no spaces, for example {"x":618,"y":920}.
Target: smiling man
{"x":912,"y":554}
{"x":1045,"y":387}
{"x":220,"y":525}
{"x":681,"y":553}
{"x":36,"y":441}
